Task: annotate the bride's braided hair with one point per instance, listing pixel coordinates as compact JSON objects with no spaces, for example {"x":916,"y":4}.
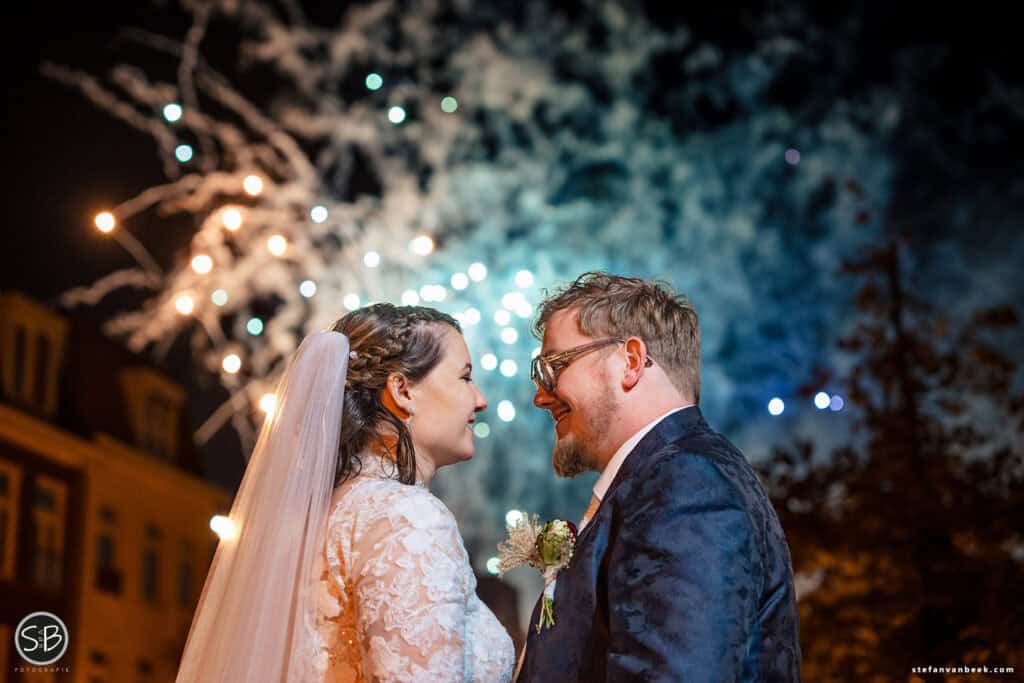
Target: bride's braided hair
{"x":385,"y":339}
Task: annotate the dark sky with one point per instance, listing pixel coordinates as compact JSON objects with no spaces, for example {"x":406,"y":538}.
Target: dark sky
{"x":65,"y":159}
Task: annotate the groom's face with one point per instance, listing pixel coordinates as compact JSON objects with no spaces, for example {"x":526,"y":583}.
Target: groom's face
{"x":582,"y":403}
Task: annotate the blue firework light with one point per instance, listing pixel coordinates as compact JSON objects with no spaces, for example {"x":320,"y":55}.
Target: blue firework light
{"x":470,"y":157}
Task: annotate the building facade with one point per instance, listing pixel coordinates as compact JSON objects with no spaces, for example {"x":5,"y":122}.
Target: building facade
{"x":104,"y":517}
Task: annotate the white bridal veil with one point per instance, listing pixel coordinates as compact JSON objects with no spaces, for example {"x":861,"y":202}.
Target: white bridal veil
{"x":254,"y":619}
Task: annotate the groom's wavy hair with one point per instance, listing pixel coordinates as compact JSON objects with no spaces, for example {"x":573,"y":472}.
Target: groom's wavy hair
{"x":615,"y":306}
{"x":386,"y":339}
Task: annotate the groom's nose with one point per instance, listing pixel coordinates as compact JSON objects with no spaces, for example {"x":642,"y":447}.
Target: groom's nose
{"x":543,"y":400}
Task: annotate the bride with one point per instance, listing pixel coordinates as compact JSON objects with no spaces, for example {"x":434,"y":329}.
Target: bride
{"x":342,"y":565}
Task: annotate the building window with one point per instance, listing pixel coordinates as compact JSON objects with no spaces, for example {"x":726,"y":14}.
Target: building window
{"x":49,"y":508}
{"x":20,"y":360}
{"x":41,"y":370}
{"x":151,"y":565}
{"x":108,"y":576}
{"x":10,"y":486}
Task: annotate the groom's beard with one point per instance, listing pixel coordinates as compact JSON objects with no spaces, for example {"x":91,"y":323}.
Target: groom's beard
{"x":573,"y":455}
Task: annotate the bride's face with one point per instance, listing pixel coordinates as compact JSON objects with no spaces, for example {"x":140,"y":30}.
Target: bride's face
{"x":444,"y":405}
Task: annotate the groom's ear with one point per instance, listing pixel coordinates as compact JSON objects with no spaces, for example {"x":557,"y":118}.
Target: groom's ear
{"x":397,"y":396}
{"x":636,"y":355}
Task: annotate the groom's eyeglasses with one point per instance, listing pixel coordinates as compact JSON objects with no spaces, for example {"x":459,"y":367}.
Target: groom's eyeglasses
{"x":544,"y":370}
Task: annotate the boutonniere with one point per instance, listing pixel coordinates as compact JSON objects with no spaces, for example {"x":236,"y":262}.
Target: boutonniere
{"x":548,"y":547}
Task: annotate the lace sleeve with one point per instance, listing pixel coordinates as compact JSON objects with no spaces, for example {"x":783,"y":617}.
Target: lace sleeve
{"x":412,"y":590}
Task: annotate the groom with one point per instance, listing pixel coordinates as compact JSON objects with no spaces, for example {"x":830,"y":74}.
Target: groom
{"x":681,"y":572}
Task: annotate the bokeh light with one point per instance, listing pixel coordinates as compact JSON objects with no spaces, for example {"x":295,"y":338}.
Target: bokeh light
{"x":396,"y":115}
{"x":277,"y":245}
{"x":202,"y":264}
{"x":231,"y":218}
{"x":506,"y":411}
{"x":231,"y":363}
{"x":460,"y":281}
{"x":477,"y":272}
{"x":252,"y":185}
{"x":172,"y":112}
{"x":422,"y":245}
{"x":185,"y":304}
{"x":105,"y":221}
{"x":318,"y":214}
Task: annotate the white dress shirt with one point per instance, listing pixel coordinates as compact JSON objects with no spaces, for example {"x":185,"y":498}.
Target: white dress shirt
{"x":615,"y":464}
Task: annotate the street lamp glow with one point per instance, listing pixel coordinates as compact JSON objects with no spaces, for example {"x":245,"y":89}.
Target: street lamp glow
{"x":494,"y":566}
{"x":836,"y":404}
{"x":524,"y":310}
{"x":254,"y":327}
{"x":202,"y":264}
{"x":410,"y":297}
{"x":460,"y":281}
{"x":219,"y":297}
{"x":509,"y":335}
{"x":776,"y":406}
{"x":224,"y":527}
{"x":535,"y":352}
{"x":449,"y":104}
{"x":105,"y":221}
{"x":472,"y":316}
{"x":513,"y":517}
{"x":183,"y":153}
{"x":524,"y":279}
{"x":371,"y":259}
{"x":482,"y":430}
{"x":172,"y":112}
{"x":252,"y":185}
{"x":318,"y":214}
{"x":374,"y":81}
{"x":185,"y":304}
{"x":509,"y":368}
{"x":351,"y":301}
{"x":502,"y":317}
{"x":231,"y":363}
{"x":277,"y":245}
{"x":232,"y":219}
{"x":422,"y":245}
{"x":307,"y":288}
{"x":821,"y":400}
{"x":477,"y":272}
{"x":489,"y":361}
{"x":506,"y":411}
{"x":396,"y":115}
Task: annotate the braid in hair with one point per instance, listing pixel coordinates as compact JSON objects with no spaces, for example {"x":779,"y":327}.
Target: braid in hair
{"x":387,"y":340}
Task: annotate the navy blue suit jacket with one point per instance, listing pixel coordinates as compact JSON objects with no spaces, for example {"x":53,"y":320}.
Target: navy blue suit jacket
{"x":683,"y":574}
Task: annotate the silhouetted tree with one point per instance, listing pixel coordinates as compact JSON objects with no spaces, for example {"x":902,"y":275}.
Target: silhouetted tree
{"x":910,"y":536}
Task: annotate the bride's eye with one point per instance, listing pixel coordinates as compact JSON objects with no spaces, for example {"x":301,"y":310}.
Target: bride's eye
{"x":467,"y":378}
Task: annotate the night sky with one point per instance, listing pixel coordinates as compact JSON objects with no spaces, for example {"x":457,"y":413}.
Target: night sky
{"x":66,"y":160}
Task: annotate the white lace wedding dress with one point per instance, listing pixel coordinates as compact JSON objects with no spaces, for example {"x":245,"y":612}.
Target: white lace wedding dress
{"x":397,"y":595}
